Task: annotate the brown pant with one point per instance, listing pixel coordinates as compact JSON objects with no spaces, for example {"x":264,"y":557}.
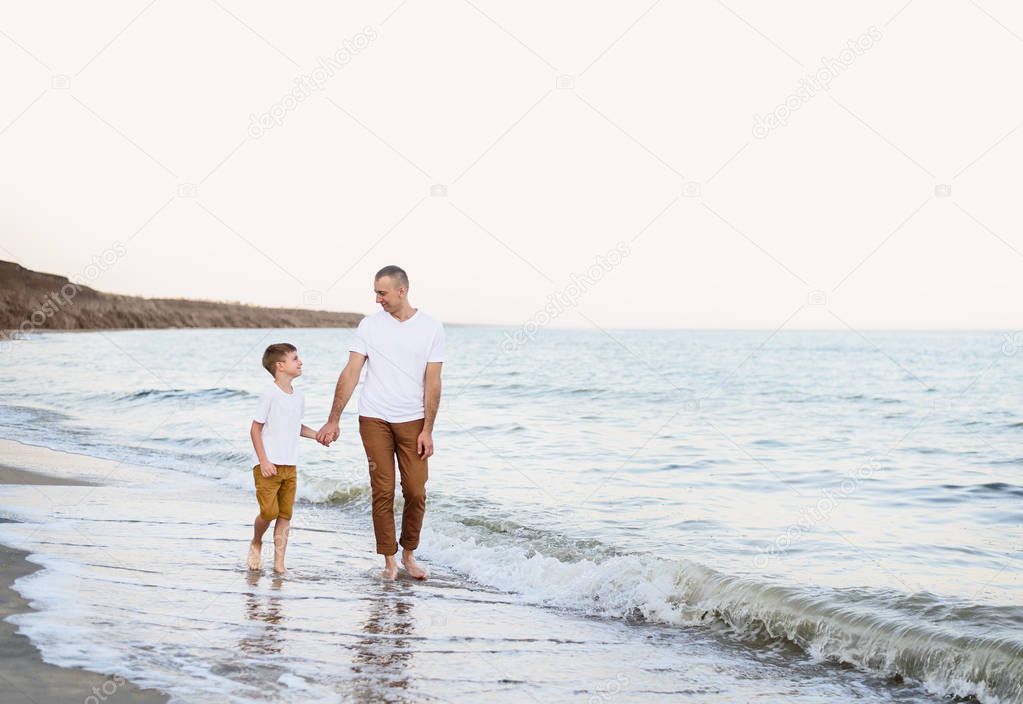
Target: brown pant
{"x":383,"y":441}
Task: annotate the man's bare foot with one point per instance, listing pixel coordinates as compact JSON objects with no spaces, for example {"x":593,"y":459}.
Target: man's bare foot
{"x":412,"y":567}
{"x":280,"y":570}
{"x":255,"y":557}
{"x":390,"y":570}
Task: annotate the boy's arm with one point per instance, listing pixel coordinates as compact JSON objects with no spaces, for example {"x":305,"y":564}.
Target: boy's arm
{"x":346,"y":384}
{"x":307,"y":432}
{"x":266,"y":467}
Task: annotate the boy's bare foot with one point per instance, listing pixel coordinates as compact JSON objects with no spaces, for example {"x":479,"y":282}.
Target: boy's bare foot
{"x":412,"y":567}
{"x":280,"y":570}
{"x":390,"y":570}
{"x":255,"y":557}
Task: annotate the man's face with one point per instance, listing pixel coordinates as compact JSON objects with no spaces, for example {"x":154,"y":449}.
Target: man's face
{"x":388,"y":295}
{"x":290,"y":365}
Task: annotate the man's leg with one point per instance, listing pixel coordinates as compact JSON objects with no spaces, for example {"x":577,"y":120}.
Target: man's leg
{"x":378,"y":442}
{"x":414,"y":473}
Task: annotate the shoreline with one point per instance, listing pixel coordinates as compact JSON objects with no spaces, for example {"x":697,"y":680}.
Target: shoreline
{"x":27,"y":678}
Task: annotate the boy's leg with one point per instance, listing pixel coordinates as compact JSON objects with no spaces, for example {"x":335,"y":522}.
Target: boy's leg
{"x":266,"y":495}
{"x":259,"y":527}
{"x":285,"y":501}
{"x":414,"y":472}
{"x":281,"y":529}
{"x":378,"y":441}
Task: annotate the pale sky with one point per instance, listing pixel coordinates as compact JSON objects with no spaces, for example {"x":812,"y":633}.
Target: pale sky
{"x":555,"y":132}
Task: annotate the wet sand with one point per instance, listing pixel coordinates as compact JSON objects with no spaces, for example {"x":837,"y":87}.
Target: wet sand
{"x":24,"y":677}
{"x":11,"y":475}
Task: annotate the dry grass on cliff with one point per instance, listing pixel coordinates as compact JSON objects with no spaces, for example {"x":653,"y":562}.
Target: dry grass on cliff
{"x":31,"y":300}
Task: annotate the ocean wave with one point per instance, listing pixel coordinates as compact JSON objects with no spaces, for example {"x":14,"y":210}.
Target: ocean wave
{"x":496,"y":428}
{"x":15,"y":415}
{"x":495,"y":531}
{"x":770,"y":442}
{"x":345,"y":496}
{"x":540,"y":390}
{"x":197,"y":443}
{"x":994,"y":489}
{"x":211,"y":394}
{"x":860,"y":397}
{"x":951,"y":647}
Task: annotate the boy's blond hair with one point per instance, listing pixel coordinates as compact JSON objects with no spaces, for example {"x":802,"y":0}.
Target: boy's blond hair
{"x":276,"y":353}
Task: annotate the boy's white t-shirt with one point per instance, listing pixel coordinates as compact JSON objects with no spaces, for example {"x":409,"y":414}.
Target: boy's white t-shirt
{"x":281,"y":414}
{"x":396,"y":357}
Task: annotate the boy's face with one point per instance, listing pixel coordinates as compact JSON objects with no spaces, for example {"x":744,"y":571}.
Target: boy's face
{"x":291,"y":365}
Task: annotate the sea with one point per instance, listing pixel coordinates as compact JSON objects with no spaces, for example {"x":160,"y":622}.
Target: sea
{"x":612,"y":516}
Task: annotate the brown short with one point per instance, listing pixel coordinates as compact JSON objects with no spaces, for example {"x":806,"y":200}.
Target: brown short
{"x":276,"y":493}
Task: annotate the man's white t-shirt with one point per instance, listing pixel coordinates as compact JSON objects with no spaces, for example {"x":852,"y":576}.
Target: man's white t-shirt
{"x":397,"y":354}
{"x":281,"y":414}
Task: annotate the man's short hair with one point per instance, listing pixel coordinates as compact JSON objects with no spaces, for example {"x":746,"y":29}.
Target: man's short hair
{"x":275,"y":353}
{"x":396,"y":273}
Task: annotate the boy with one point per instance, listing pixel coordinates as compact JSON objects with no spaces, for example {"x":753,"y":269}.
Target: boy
{"x":276,"y":427}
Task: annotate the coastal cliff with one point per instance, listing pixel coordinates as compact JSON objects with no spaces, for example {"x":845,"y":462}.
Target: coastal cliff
{"x":31,"y":300}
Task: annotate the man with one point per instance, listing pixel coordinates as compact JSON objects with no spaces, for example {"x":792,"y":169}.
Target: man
{"x":403,"y":349}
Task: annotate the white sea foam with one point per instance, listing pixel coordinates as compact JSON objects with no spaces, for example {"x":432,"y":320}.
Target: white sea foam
{"x":980,"y":655}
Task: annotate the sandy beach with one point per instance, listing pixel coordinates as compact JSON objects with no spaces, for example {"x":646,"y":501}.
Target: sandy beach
{"x":12,"y":475}
{"x":26,"y":678}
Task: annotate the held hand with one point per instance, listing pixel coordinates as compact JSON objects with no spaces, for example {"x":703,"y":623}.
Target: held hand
{"x":267,"y":469}
{"x":328,"y":433}
{"x":424,"y":444}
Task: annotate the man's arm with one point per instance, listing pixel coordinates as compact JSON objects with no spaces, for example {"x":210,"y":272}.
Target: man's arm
{"x":431,"y":402}
{"x":346,"y":384}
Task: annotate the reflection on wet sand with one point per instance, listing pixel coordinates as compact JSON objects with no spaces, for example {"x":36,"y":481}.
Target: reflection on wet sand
{"x":265,"y":608}
{"x":383,"y":654}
